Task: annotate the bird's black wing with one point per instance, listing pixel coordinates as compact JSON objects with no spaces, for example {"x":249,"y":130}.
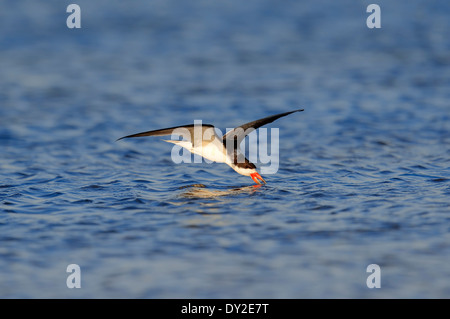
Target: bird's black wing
{"x":239,"y":133}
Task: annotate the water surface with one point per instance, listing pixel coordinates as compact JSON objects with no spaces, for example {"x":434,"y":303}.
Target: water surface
{"x":364,"y":172}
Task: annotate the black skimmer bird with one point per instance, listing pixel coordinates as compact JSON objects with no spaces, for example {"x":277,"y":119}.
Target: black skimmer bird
{"x":202,"y":139}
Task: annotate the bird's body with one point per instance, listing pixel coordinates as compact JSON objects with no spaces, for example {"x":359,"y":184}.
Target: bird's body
{"x":201,"y":139}
{"x":212,"y":149}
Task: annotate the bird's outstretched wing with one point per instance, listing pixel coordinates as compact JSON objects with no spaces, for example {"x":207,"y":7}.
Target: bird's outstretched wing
{"x":239,"y":133}
{"x":188,"y":132}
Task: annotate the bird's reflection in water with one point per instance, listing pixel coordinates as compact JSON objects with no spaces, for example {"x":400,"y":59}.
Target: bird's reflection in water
{"x":201,"y":191}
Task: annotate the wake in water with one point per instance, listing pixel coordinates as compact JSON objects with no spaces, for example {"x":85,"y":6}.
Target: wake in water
{"x":201,"y":191}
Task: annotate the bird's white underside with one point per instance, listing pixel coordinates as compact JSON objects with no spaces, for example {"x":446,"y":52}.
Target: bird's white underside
{"x":214,"y":151}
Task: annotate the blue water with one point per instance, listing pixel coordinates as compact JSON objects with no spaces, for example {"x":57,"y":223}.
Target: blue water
{"x":364,"y":172}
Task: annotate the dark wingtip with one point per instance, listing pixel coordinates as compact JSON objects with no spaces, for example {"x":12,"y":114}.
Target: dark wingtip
{"x":299,"y":110}
{"x":290,"y":112}
{"x":124,"y":137}
{"x":132,"y":135}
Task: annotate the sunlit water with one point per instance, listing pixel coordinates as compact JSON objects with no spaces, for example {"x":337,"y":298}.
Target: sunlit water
{"x":364,"y":172}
